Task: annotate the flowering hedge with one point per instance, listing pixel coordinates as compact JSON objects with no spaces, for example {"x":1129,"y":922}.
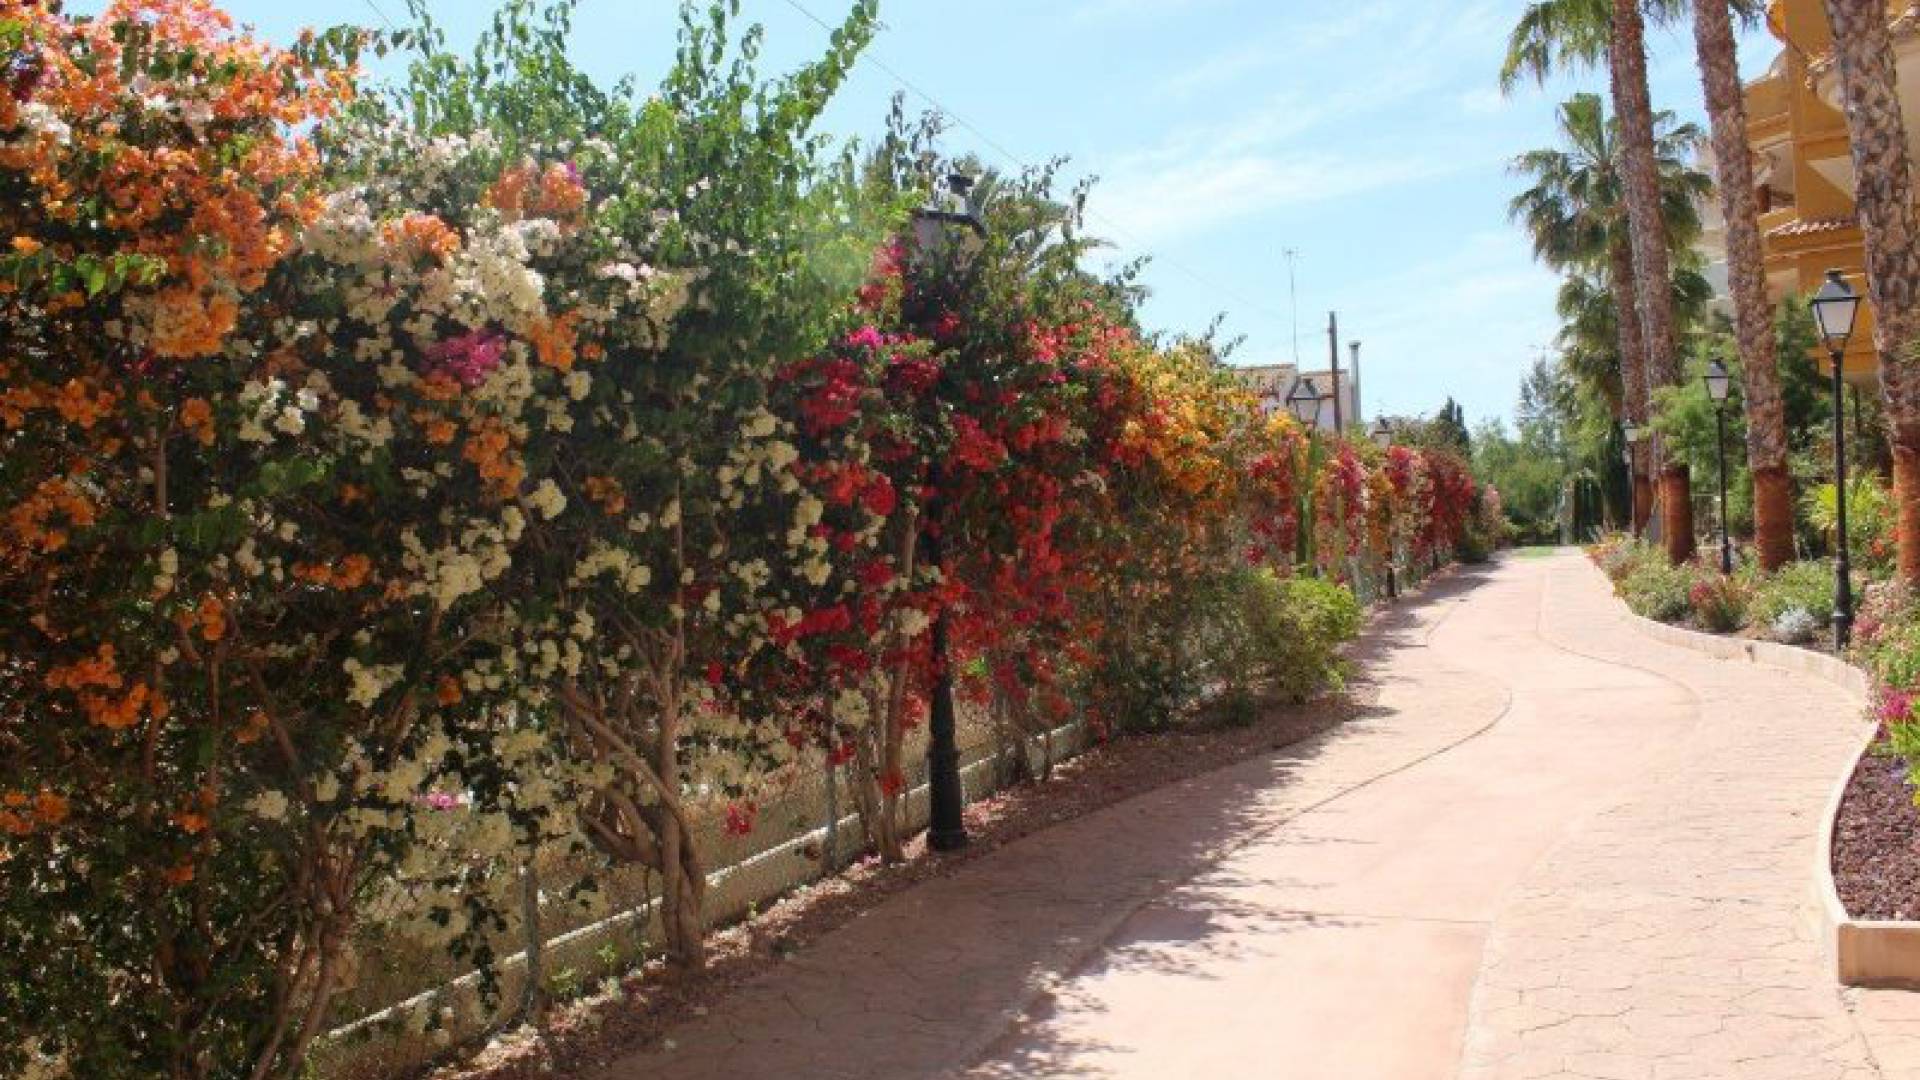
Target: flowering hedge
{"x":566,"y":460}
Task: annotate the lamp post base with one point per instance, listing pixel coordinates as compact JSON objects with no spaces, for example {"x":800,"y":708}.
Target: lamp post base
{"x":947,"y":831}
{"x":947,"y":839}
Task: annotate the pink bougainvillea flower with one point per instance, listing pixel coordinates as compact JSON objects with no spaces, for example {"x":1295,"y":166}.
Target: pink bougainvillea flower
{"x":470,"y":357}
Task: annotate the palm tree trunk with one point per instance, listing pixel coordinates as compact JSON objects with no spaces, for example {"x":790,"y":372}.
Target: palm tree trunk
{"x":1883,"y":196}
{"x":1746,"y":275}
{"x":1633,"y":373}
{"x":1640,"y":178}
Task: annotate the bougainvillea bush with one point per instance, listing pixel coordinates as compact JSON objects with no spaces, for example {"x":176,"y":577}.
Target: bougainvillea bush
{"x":404,"y":484}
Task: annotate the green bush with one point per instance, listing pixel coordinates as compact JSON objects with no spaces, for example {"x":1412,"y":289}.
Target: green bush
{"x":1894,"y":658}
{"x":1659,"y":591}
{"x":1802,"y":586}
{"x":1719,"y":601}
{"x":1280,"y":637}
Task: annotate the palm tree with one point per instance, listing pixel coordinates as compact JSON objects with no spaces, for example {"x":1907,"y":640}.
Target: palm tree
{"x":1746,"y":276}
{"x":1556,"y":34}
{"x":1640,"y":175}
{"x":1883,"y":195}
{"x":1577,"y":216}
{"x":1560,"y":33}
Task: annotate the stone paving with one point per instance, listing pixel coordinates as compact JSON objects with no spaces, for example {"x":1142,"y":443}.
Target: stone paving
{"x":1554,"y":848}
{"x":1675,"y":934}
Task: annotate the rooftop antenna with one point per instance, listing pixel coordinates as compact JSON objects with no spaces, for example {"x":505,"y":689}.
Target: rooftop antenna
{"x":1293,"y":298}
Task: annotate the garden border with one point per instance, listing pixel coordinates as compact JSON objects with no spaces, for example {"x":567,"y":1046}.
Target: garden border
{"x":1876,"y":953}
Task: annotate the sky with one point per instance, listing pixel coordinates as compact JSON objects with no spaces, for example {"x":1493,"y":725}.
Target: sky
{"x":1368,"y":136}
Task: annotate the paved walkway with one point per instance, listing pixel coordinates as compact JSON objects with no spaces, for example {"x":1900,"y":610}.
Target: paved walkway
{"x":1553,"y":849}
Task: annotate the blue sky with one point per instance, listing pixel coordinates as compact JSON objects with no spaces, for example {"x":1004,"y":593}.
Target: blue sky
{"x":1368,"y":135}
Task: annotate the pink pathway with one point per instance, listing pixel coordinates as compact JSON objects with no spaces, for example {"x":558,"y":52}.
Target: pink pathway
{"x":1554,"y":848}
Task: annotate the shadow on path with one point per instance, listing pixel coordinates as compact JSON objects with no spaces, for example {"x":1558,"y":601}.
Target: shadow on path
{"x":933,"y":979}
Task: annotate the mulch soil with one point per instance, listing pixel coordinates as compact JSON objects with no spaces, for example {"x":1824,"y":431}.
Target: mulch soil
{"x":584,"y":1036}
{"x":1876,"y":842}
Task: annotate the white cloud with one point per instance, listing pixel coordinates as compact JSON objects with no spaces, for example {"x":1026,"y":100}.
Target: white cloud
{"x":1104,"y":10}
{"x":1483,"y":102}
{"x":1172,"y":200}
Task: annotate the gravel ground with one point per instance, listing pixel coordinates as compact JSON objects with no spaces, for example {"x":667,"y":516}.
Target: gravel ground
{"x":1876,"y":842}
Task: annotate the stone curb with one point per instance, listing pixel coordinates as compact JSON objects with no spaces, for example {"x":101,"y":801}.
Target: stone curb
{"x":1882,"y":953}
{"x":1879,"y":953}
{"x":1828,"y":669}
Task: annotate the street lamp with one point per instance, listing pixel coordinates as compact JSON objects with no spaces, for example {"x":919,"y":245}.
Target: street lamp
{"x":946,"y":208}
{"x":1382,"y":433}
{"x":1304,"y":402}
{"x":1719,"y":383}
{"x":946,"y":213}
{"x":1835,"y":307}
{"x":1630,"y":433}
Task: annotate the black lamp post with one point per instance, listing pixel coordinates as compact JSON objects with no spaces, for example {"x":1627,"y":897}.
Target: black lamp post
{"x":1835,"y":307}
{"x":1304,"y":401}
{"x":934,"y":225}
{"x":1719,"y":383}
{"x":1382,"y":432}
{"x":1630,"y":433}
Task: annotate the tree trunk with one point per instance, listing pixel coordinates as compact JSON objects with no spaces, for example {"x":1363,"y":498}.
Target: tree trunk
{"x":1642,"y":491}
{"x":1633,"y":367}
{"x":1746,"y":277}
{"x":1640,"y":179}
{"x":1676,"y":512}
{"x":1773,"y":503}
{"x":1906,"y":493}
{"x":1883,"y":197}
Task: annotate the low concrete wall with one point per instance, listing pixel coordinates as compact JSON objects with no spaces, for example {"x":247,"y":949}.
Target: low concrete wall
{"x":783,"y":853}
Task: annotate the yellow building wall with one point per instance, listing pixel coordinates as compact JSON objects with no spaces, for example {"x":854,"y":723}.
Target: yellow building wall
{"x":1817,"y":233}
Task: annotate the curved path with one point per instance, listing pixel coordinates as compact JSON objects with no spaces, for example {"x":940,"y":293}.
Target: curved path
{"x":1554,"y":848}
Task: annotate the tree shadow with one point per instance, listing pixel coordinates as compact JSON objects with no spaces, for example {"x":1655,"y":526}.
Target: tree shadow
{"x":912,"y":987}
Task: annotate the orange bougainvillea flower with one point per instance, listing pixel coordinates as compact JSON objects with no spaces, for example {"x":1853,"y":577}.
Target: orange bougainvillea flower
{"x":447,"y":692}
{"x":490,"y":449}
{"x":206,"y":200}
{"x":34,"y":525}
{"x":349,"y":573}
{"x":96,"y":670}
{"x":212,"y":618}
{"x":50,"y":808}
{"x":607,"y":494}
{"x":178,"y":874}
{"x":118,"y":713}
{"x":417,"y":236}
{"x":554,"y":342}
{"x":252,"y":728}
{"x":196,"y":415}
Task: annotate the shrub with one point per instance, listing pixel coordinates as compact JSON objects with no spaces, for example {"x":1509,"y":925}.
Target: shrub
{"x":1658,"y":591}
{"x":1618,"y":555}
{"x":1871,"y":521}
{"x":1795,"y":626}
{"x":1280,"y":636}
{"x":1719,"y":601}
{"x":1802,"y":586}
{"x":1884,"y":605}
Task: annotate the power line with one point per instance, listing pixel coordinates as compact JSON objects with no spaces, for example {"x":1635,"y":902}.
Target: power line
{"x":1015,"y":160}
{"x":382,"y":15}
